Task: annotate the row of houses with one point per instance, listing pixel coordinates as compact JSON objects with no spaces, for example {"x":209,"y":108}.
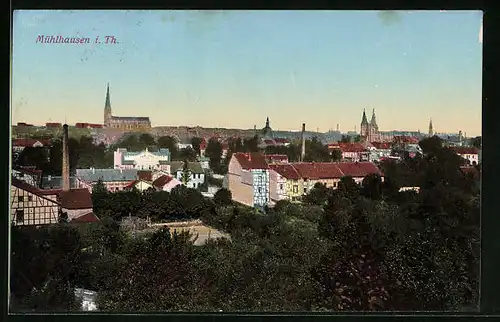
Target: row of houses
{"x":379,"y":151}
{"x":32,"y":205}
{"x":257,"y":180}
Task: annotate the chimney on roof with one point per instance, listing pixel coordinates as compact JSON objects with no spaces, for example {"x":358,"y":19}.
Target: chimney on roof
{"x":65,"y":160}
{"x":303,"y":138}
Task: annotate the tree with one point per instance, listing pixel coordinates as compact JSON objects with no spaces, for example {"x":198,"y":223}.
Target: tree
{"x":316,"y":151}
{"x":186,"y":173}
{"x":357,"y":138}
{"x":348,"y":186}
{"x":195,"y":142}
{"x":476,"y":142}
{"x":345,"y":139}
{"x":214,"y":153}
{"x":223,"y":197}
{"x":146,"y":140}
{"x":188,"y":154}
{"x":317,"y":195}
{"x":251,"y":144}
{"x":170,"y":143}
{"x":431,"y":145}
{"x":336,"y":155}
{"x":371,"y":186}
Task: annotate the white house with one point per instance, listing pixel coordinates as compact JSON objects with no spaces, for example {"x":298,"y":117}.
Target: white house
{"x":468,"y":153}
{"x":248,"y":179}
{"x":196,"y":177}
{"x":144,"y":160}
{"x":277,"y":184}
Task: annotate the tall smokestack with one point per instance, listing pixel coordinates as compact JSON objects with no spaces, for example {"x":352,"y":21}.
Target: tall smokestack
{"x":65,"y":160}
{"x":303,"y":137}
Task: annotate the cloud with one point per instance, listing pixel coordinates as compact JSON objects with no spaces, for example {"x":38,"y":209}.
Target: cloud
{"x":389,"y":17}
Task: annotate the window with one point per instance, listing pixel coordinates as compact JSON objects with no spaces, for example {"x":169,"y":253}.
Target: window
{"x":281,"y":186}
{"x":20,"y":198}
{"x":295,"y":188}
{"x":305,"y":190}
{"x":30,"y":198}
{"x":19,"y":216}
{"x":259,"y":189}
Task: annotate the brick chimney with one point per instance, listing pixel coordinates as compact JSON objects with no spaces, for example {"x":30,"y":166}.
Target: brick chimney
{"x":65,"y":159}
{"x":303,"y":152}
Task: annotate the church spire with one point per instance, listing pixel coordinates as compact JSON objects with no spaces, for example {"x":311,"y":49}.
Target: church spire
{"x":267,"y":122}
{"x":373,"y":121}
{"x":364,"y":121}
{"x":431,"y":131}
{"x":108,"y":102}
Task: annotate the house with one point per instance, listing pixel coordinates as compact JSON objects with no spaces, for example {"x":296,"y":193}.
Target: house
{"x":470,"y":154}
{"x":285,"y":183}
{"x":276,"y":158}
{"x":56,"y":182}
{"x":377,"y":151}
{"x":165,"y":183}
{"x":88,"y":299}
{"x":203,"y":147}
{"x":353,"y":152}
{"x":301,"y":177}
{"x":248,"y":179}
{"x":30,"y":205}
{"x":359,"y":170}
{"x":311,"y":173}
{"x":139,"y":184}
{"x":28,"y":175}
{"x":196,"y":177}
{"x":413,"y":149}
{"x":184,"y":144}
{"x":205,"y":163}
{"x":18,"y":145}
{"x":144,"y":160}
{"x":113,"y":179}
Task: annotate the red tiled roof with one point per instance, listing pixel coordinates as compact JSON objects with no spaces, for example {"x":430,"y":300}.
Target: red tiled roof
{"x":203,"y":145}
{"x":358,"y":169}
{"x":317,"y":170}
{"x":251,"y":160}
{"x":90,"y":217}
{"x":269,"y":142}
{"x":381,"y":145}
{"x":144,"y":175}
{"x":281,"y":140}
{"x":131,"y":184}
{"x":162,"y":181}
{"x":29,"y":142}
{"x":348,"y":147}
{"x":286,"y":170}
{"x":225,"y":146}
{"x":75,"y":199}
{"x":405,"y":139}
{"x":464,"y":150}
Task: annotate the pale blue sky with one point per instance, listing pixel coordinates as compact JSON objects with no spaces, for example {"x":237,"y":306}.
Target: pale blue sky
{"x":234,"y":68}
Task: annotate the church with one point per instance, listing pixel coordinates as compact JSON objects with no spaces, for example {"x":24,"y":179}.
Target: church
{"x":369,"y":131}
{"x":127,"y":123}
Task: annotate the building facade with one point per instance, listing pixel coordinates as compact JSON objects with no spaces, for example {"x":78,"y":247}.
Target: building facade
{"x":144,"y":160}
{"x":248,"y":179}
{"x":113,"y":179}
{"x":123,"y":123}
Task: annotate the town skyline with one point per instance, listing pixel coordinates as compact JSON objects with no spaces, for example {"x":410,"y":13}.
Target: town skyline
{"x":258,"y":63}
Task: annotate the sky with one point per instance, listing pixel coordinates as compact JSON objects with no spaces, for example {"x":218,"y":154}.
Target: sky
{"x":233,"y":69}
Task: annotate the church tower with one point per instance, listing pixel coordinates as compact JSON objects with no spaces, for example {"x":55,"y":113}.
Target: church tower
{"x":373,"y":122}
{"x":431,"y":131}
{"x":364,"y":125}
{"x":107,"y":110}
